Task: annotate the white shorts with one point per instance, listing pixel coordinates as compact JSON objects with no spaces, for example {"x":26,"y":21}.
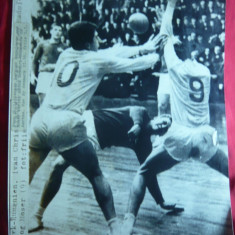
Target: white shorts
{"x":90,"y":128}
{"x":164,"y":84}
{"x":180,"y":139}
{"x":56,"y":129}
{"x":44,"y":82}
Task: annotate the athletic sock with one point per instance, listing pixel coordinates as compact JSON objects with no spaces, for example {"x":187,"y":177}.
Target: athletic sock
{"x":114,"y":226}
{"x":40,"y":212}
{"x":128,"y":223}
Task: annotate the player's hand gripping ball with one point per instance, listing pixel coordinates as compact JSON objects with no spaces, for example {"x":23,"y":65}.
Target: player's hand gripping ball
{"x":139,"y":23}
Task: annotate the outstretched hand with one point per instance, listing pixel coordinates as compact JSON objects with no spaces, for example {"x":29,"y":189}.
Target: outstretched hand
{"x":171,"y":207}
{"x":152,"y":44}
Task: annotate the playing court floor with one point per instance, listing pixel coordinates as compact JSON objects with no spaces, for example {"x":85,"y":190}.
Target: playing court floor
{"x":200,"y":190}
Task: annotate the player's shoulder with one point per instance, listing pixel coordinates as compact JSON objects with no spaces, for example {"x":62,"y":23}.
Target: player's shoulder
{"x":69,"y":52}
{"x":194,"y":63}
{"x":196,"y":68}
{"x":42,"y":43}
{"x":137,"y":107}
{"x":94,"y":58}
{"x":203,"y":69}
{"x":45,"y":43}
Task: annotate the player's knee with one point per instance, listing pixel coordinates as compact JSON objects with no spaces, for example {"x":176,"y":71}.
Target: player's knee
{"x":143,"y":170}
{"x":59,"y":166}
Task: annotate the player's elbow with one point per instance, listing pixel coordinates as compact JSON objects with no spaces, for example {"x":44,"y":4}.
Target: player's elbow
{"x":139,"y":108}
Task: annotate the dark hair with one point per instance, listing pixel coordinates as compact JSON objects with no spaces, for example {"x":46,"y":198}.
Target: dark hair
{"x":80,"y":33}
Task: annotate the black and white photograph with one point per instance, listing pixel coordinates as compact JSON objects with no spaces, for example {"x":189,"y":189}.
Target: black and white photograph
{"x":126,"y":118}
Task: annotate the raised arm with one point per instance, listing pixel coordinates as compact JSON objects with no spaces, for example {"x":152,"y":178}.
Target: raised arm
{"x":122,"y":51}
{"x":123,"y":65}
{"x":166,"y":26}
{"x":170,"y":55}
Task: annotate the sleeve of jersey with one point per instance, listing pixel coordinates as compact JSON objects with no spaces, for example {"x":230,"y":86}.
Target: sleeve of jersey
{"x":193,"y":69}
{"x":170,"y":55}
{"x":137,"y":115}
{"x":123,"y":65}
{"x":122,"y":51}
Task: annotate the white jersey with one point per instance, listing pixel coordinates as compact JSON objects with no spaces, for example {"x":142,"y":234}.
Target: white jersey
{"x":190,"y":89}
{"x":78,"y":74}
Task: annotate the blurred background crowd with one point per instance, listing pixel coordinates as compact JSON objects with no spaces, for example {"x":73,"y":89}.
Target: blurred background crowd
{"x":200,"y":25}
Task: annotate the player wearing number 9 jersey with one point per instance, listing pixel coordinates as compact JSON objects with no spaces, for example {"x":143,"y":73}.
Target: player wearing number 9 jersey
{"x":190,"y":92}
{"x":58,"y":123}
{"x":190,"y":134}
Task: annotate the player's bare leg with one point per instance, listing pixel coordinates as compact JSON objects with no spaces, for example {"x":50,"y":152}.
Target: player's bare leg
{"x":36,"y":158}
{"x":53,"y":184}
{"x":50,"y":189}
{"x":83,"y":158}
{"x":41,"y":97}
{"x":219,"y":162}
{"x":157,"y":162}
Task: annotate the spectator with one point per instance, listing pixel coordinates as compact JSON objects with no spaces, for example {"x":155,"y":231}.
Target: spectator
{"x":206,"y":57}
{"x":193,"y":25}
{"x":202,"y":7}
{"x":113,"y":22}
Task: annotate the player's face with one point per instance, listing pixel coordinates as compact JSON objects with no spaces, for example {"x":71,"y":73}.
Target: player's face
{"x":56,"y":32}
{"x":94,"y":46}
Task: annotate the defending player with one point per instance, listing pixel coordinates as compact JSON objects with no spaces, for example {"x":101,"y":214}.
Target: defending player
{"x":190,"y":134}
{"x":127,"y":127}
{"x":44,"y":60}
{"x":58,"y":123}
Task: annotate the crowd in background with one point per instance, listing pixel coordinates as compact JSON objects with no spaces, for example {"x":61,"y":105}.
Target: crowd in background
{"x":200,"y":26}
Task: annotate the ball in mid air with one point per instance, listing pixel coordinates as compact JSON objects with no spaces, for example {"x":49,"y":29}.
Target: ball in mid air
{"x":139,"y":23}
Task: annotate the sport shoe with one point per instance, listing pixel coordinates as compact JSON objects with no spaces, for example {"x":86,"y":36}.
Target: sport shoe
{"x":35,"y":223}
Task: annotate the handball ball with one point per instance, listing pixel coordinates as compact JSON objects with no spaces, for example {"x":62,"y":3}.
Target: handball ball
{"x":139,"y":23}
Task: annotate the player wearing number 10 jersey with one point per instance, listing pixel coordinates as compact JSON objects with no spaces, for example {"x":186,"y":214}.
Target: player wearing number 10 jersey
{"x":58,"y":123}
{"x":190,"y":134}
